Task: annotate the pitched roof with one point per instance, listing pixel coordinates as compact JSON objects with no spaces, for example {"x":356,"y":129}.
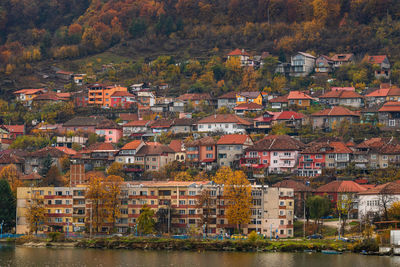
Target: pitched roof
{"x":205,"y":141}
{"x":224,"y":118}
{"x":154,"y":150}
{"x":392,"y":188}
{"x":183,"y":122}
{"x":305,"y":54}
{"x":298,"y":95}
{"x":238,"y":52}
{"x":162,"y":123}
{"x":288,"y":115}
{"x":136,"y":123}
{"x":14,"y":128}
{"x":229,"y":95}
{"x":379,"y":93}
{"x":279,"y":99}
{"x":341,"y":187}
{"x":32,"y":176}
{"x":276,"y":143}
{"x":11,"y":159}
{"x":344,"y":88}
{"x":132,"y":145}
{"x":248,"y":106}
{"x":121,"y":93}
{"x":108,"y":124}
{"x":29,"y":91}
{"x":233,"y":139}
{"x":340,"y":94}
{"x":340,"y":148}
{"x":176,"y":145}
{"x":335,"y":111}
{"x":394,"y":91}
{"x":295,"y":185}
{"x":52,"y":151}
{"x":390,"y":107}
{"x":375,"y":59}
{"x":66,"y":150}
{"x":101,"y":147}
{"x":342,"y":57}
{"x":129,"y":116}
{"x":50,"y":96}
{"x":252,"y":94}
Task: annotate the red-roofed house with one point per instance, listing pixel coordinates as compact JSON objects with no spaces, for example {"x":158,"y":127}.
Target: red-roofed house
{"x":342,"y":59}
{"x":242,"y":55}
{"x":230,"y":149}
{"x":242,"y":109}
{"x":202,"y":151}
{"x":14,"y":130}
{"x":279,"y":102}
{"x":227,"y":100}
{"x":382,"y":61}
{"x":342,"y":190}
{"x":389,"y":115}
{"x":179,"y":147}
{"x":323,"y":64}
{"x":378,"y":96}
{"x":343,"y":98}
{"x":327,"y":117}
{"x":302,"y":64}
{"x":227,"y":123}
{"x":127,"y":153}
{"x":264,"y":121}
{"x":290,"y":118}
{"x":122,"y":99}
{"x":136,"y":128}
{"x":27,"y":95}
{"x":299,"y":99}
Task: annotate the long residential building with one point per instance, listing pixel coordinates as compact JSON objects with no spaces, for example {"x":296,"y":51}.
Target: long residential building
{"x":177,"y":204}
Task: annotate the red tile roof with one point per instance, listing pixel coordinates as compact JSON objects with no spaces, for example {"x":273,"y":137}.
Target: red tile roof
{"x":224,"y":118}
{"x":279,"y":99}
{"x":335,"y":111}
{"x":15,"y":128}
{"x":379,"y":93}
{"x":233,"y":139}
{"x":390,"y":107}
{"x":342,"y":57}
{"x":137,"y":123}
{"x":298,"y":95}
{"x":277,"y":143}
{"x":288,"y":115}
{"x":132,"y":145}
{"x":176,"y":145}
{"x":121,"y":93}
{"x":394,"y":91}
{"x":101,"y":147}
{"x":66,"y":150}
{"x":340,"y":148}
{"x":341,"y":187}
{"x":205,"y":141}
{"x":194,"y":97}
{"x":248,"y":106}
{"x":162,"y":123}
{"x":52,"y":151}
{"x":388,"y":188}
{"x":154,"y":150}
{"x":375,"y":59}
{"x":129,"y":116}
{"x":340,"y":94}
{"x":238,"y":52}
{"x":29,"y":91}
{"x":251,"y":94}
{"x":229,"y":95}
{"x":343,"y":88}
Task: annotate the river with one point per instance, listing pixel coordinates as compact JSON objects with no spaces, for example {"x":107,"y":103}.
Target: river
{"x":22,"y":256}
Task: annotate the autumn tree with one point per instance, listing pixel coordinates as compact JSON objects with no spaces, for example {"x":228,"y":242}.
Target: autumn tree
{"x":183,"y":176}
{"x":7,"y":205}
{"x":145,"y":221}
{"x":11,"y":174}
{"x":280,"y":128}
{"x":237,"y":191}
{"x":53,"y":177}
{"x":35,"y":214}
{"x":344,"y":206}
{"x":394,"y":211}
{"x":96,"y":194}
{"x":204,"y":203}
{"x":112,"y":186}
{"x":116,"y":169}
{"x":46,"y":165}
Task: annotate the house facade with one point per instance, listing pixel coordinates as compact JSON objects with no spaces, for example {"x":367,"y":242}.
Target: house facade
{"x":302,"y":64}
{"x":230,"y":149}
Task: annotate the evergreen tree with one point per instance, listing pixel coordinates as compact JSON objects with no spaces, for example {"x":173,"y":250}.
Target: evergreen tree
{"x":7,"y":206}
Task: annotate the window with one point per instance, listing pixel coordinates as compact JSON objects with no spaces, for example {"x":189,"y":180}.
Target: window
{"x":282,"y":222}
{"x":209,"y":156}
{"x":392,"y":123}
{"x":281,"y":203}
{"x":287,"y":154}
{"x":385,"y":157}
{"x":265,"y":153}
{"x":191,"y":202}
{"x":209,"y":148}
{"x":318,"y":156}
{"x":192,"y":221}
{"x":181,"y":202}
{"x":182,"y":212}
{"x":373,"y":156}
{"x":275,"y":161}
{"x":331,"y":156}
{"x":192,"y":193}
{"x":67,"y":202}
{"x":192,"y":212}
{"x":67,"y":211}
{"x":58,"y":202}
{"x":182,"y":221}
{"x":287,"y":162}
{"x":265,"y":161}
{"x":59,"y":220}
{"x":275,"y":153}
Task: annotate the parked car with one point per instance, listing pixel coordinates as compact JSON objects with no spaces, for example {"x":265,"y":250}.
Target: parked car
{"x":327,"y":217}
{"x":345,"y":239}
{"x":315,"y":236}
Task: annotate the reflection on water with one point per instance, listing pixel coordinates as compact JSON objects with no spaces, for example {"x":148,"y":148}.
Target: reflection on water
{"x":20,"y":256}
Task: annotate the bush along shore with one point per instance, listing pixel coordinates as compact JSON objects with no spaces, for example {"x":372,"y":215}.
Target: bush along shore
{"x":367,"y":247}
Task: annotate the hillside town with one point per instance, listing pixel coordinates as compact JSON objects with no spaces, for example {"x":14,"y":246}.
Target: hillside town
{"x":186,"y":158}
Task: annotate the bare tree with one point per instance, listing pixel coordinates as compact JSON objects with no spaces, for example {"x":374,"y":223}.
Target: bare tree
{"x":386,"y":198}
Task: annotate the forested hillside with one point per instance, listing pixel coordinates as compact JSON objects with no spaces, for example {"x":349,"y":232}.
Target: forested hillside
{"x":34,"y":30}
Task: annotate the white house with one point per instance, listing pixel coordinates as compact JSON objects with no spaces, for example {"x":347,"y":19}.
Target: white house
{"x":372,"y":201}
{"x":302,"y":64}
{"x":227,"y":123}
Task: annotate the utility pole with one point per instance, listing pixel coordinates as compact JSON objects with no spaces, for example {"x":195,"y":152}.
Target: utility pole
{"x":304,"y":218}
{"x":91,"y":219}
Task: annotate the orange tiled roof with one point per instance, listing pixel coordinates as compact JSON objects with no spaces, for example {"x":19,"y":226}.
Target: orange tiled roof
{"x":66,"y":150}
{"x":340,"y":94}
{"x":279,"y":99}
{"x":176,"y":145}
{"x":137,"y":123}
{"x":287,"y":115}
{"x":390,"y":107}
{"x":340,"y":148}
{"x":238,"y":52}
{"x":132,"y":145}
{"x":15,"y":128}
{"x":342,"y":57}
{"x":121,"y":93}
{"x":248,"y":106}
{"x":379,"y":93}
{"x":232,"y":139}
{"x":29,"y":91}
{"x":341,"y":187}
{"x":298,"y":95}
{"x":375,"y":59}
{"x":335,"y":111}
{"x":388,"y":188}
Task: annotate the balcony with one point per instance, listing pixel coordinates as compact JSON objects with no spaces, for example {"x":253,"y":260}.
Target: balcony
{"x":286,"y":157}
{"x":307,"y":160}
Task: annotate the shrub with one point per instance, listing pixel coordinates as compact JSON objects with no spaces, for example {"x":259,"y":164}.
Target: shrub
{"x":56,"y":237}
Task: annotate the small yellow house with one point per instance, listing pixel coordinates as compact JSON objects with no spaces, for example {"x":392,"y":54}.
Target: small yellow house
{"x":299,"y":99}
{"x":249,"y":97}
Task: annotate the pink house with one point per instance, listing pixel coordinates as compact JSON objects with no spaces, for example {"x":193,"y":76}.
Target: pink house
{"x":111,"y":131}
{"x":278,"y":153}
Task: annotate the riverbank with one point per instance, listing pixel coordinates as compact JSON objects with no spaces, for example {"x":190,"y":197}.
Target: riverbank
{"x":141,"y":243}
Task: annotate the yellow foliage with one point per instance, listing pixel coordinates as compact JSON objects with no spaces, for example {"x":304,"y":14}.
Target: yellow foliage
{"x":35,"y":214}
